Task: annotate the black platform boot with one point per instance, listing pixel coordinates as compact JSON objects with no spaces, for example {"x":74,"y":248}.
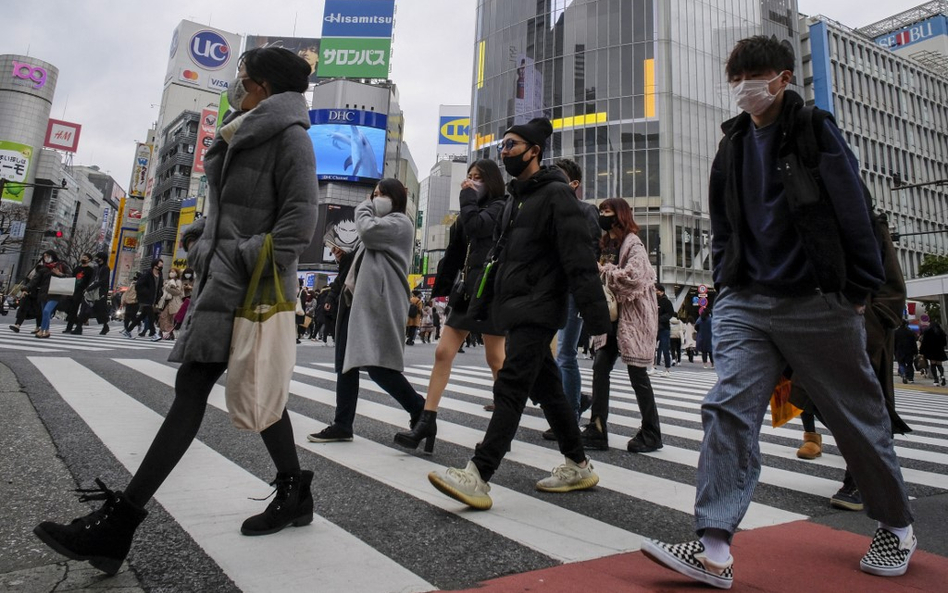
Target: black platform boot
{"x":293,"y":504}
{"x":426,"y":428}
{"x":103,"y":537}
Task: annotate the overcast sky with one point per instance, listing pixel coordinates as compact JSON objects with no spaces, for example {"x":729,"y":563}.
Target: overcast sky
{"x":112,"y":57}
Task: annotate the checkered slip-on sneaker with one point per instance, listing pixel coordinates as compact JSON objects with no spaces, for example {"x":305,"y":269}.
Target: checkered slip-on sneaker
{"x":887,"y":555}
{"x":689,"y":559}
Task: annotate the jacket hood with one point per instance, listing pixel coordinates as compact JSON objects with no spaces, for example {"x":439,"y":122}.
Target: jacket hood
{"x":545,"y":176}
{"x":273,"y":115}
{"x":791,"y":102}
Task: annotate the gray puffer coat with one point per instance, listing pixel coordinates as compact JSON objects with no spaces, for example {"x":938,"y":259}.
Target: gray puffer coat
{"x":263,"y":182}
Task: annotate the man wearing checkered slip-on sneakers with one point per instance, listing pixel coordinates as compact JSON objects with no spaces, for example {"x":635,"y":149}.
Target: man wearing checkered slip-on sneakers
{"x":792,"y":279}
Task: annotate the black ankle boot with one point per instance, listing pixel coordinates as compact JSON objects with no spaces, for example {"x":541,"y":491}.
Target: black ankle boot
{"x":102,"y":537}
{"x":293,"y":504}
{"x":426,"y":428}
{"x":77,"y":331}
{"x":105,"y":329}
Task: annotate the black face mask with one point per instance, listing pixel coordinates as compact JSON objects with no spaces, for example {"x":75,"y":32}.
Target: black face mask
{"x":606,"y":222}
{"x":515,"y":165}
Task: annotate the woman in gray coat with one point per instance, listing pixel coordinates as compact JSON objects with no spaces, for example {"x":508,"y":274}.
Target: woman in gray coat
{"x":261,"y":179}
{"x":373,"y":310}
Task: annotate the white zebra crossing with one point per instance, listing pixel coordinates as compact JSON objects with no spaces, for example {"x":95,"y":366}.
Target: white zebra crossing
{"x":59,"y":342}
{"x":192,"y":494}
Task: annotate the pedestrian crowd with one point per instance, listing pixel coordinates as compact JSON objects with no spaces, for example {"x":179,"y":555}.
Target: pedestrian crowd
{"x":534,"y":273}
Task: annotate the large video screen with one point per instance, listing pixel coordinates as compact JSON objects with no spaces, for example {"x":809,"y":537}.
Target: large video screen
{"x":349,"y":144}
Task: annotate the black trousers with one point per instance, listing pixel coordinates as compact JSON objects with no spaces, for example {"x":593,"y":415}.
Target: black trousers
{"x":651,"y":432}
{"x":529,"y":370}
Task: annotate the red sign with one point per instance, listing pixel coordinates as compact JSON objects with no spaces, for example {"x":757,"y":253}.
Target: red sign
{"x":206,"y":129}
{"x":132,"y":213}
{"x":62,"y":135}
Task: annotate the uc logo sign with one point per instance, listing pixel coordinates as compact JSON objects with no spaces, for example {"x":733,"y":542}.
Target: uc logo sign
{"x":455,"y":130}
{"x":209,"y":50}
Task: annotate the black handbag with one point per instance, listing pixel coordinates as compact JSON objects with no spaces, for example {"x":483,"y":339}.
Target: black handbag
{"x":459,"y":298}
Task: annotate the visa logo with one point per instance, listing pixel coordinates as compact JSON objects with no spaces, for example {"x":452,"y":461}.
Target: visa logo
{"x":455,"y":131}
{"x":218,"y":83}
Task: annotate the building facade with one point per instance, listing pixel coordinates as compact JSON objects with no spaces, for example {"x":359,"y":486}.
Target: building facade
{"x":893,"y":112}
{"x":636,"y":93}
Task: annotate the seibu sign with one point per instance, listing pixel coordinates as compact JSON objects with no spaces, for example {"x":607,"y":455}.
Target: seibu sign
{"x":917,"y":32}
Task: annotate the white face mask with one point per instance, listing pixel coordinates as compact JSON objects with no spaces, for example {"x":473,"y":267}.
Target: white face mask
{"x":236,"y":93}
{"x":754,"y":96}
{"x":383,"y":205}
{"x":47,"y":259}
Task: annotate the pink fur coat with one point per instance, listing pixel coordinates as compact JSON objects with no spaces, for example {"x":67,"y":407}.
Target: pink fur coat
{"x":632,"y":280}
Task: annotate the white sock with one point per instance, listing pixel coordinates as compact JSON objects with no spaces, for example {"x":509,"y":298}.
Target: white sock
{"x":900,"y":532}
{"x":716,"y":545}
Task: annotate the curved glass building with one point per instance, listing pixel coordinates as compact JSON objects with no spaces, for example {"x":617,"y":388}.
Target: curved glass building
{"x":636,"y":93}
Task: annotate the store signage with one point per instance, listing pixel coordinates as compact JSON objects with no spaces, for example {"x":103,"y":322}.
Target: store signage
{"x":914,"y":34}
{"x":454,"y":130}
{"x":62,"y":135}
{"x":206,"y":131}
{"x":34,"y":74}
{"x":354,"y":57}
{"x":366,"y":18}
{"x":209,"y":50}
{"x":217,"y":84}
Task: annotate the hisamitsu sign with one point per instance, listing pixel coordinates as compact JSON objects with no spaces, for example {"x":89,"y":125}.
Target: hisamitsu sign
{"x":362,"y":18}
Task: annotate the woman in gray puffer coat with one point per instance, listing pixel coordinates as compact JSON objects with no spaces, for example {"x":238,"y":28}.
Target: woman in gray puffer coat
{"x":373,"y":310}
{"x":261,"y":174}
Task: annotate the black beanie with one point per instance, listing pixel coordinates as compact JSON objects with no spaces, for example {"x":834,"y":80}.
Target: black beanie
{"x":536,"y":131}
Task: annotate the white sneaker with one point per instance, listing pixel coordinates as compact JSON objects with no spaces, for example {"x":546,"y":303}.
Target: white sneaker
{"x":667,"y":373}
{"x":569,"y":476}
{"x":464,"y":485}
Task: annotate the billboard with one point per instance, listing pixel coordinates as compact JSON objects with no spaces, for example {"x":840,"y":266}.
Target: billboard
{"x":349,"y":144}
{"x":340,"y":229}
{"x":62,"y":135}
{"x":185,"y":219}
{"x":202,"y":57}
{"x":305,"y":47}
{"x":15,"y":161}
{"x":207,"y":127}
{"x":343,"y":57}
{"x":915,"y":33}
{"x":139,"y":181}
{"x":357,"y":39}
{"x":528,"y":92}
{"x":454,"y":130}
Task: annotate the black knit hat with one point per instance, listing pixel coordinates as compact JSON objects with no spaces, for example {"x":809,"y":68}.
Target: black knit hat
{"x":536,"y":131}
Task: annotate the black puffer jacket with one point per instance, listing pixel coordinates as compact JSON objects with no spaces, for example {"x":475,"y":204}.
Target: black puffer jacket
{"x":476,"y":224}
{"x":547,"y":256}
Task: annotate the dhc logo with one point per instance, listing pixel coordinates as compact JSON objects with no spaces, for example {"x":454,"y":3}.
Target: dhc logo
{"x":455,"y":131}
{"x":209,"y":50}
{"x":342,"y":115}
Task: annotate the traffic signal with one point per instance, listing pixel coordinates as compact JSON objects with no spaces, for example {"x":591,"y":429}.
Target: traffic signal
{"x":53,"y":234}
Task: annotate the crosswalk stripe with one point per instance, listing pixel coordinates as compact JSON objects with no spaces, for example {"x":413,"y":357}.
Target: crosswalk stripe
{"x":60,"y":345}
{"x":557,"y":532}
{"x":800,"y":482}
{"x":202,"y":486}
{"x":12,"y":345}
{"x":656,"y":490}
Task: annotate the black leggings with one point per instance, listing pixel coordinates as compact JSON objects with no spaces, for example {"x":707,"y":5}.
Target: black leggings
{"x":192,"y":386}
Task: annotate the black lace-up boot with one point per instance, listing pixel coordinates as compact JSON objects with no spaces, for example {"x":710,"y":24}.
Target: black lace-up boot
{"x":293,"y":504}
{"x":102,"y":537}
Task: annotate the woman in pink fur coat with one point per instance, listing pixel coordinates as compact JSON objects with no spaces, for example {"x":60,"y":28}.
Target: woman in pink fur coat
{"x":632,"y":280}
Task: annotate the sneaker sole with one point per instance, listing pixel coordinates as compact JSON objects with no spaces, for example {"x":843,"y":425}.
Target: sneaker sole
{"x":846,"y":506}
{"x":481,"y":503}
{"x":581,"y":485}
{"x":663,"y":558}
{"x":109,"y":566}
{"x":313,"y":439}
{"x":881,"y":571}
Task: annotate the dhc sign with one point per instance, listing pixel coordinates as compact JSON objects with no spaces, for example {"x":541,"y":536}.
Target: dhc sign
{"x":917,"y":32}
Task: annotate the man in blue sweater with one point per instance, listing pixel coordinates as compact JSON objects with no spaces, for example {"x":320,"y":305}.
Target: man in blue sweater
{"x":795,"y":257}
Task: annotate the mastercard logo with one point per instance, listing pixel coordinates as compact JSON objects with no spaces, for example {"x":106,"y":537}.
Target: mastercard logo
{"x":189,"y":75}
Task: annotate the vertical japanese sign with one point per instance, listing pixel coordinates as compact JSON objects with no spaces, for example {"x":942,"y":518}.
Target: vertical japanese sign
{"x":15,"y":160}
{"x":357,"y":39}
{"x":206,"y":130}
{"x":185,"y":219}
{"x":139,"y":181}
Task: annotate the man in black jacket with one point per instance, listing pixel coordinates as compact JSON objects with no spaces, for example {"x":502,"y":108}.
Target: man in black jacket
{"x":795,"y":256}
{"x":545,"y":255}
{"x":84,"y":275}
{"x":906,"y":348}
{"x":148,"y":287}
{"x":98,"y":289}
{"x":665,"y":312}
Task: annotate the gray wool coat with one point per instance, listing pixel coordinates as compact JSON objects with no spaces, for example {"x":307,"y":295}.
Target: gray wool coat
{"x":380,"y":301}
{"x":263,"y":182}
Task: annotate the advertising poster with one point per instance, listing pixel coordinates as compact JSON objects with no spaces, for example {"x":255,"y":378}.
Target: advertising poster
{"x":349,"y":144}
{"x":206,"y":130}
{"x":202,"y":57}
{"x":139,"y":181}
{"x":185,"y":218}
{"x":345,"y":57}
{"x":15,"y":160}
{"x":340,"y":230}
{"x":528,"y":94}
{"x":305,"y":47}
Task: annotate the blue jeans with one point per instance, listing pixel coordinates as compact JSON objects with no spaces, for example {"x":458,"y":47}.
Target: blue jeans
{"x":664,"y":347}
{"x":823,"y":339}
{"x":566,"y":351}
{"x":48,"y":309}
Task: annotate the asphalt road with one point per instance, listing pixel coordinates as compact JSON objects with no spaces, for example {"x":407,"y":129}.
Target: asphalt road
{"x":382,"y":527}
